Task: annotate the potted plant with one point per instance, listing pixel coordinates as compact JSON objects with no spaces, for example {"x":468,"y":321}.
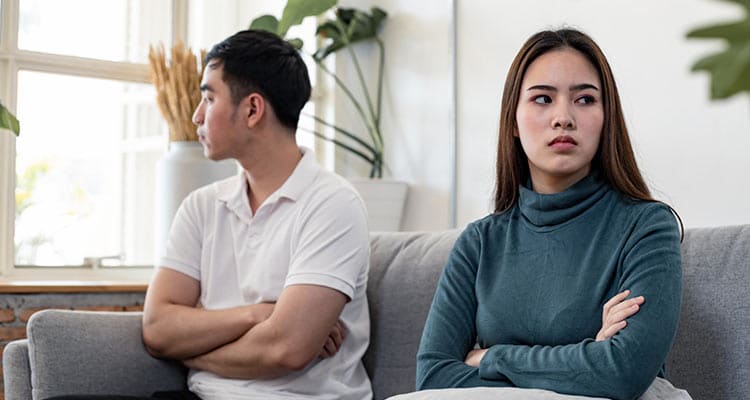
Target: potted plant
{"x":8,"y":121}
{"x":730,"y":68}
{"x":384,"y":199}
{"x":183,"y":168}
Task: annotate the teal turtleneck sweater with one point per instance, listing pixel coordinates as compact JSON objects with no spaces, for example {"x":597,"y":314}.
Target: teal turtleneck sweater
{"x":529,"y":285}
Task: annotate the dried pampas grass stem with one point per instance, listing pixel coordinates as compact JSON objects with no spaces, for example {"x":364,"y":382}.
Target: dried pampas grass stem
{"x":177,"y":88}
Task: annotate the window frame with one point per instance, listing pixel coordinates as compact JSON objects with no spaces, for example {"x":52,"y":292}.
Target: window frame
{"x":12,"y":60}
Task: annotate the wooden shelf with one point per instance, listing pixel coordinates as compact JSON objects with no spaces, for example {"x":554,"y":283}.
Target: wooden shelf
{"x":69,"y":286}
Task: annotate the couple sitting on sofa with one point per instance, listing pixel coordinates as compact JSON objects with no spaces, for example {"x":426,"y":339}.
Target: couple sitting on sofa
{"x":572,"y":285}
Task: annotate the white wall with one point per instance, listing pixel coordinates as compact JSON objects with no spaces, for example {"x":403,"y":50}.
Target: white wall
{"x":212,"y":21}
{"x":417,"y":110}
{"x":692,"y":151}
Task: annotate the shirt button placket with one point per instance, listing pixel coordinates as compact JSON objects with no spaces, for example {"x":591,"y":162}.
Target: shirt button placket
{"x":253,"y":233}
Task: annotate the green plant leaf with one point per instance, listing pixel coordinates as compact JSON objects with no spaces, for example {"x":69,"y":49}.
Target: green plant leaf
{"x":267,"y":23}
{"x":730,"y":68}
{"x":732,"y":32}
{"x":743,"y":3}
{"x":729,"y":71}
{"x":297,"y":43}
{"x":9,"y":121}
{"x":350,"y":26}
{"x":336,"y":40}
{"x":296,"y":10}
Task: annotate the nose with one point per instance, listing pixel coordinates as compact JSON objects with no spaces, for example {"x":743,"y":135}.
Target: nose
{"x":198,"y":114}
{"x":563,"y":118}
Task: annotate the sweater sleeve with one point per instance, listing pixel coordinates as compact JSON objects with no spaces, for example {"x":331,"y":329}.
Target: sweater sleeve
{"x":450,"y":331}
{"x":623,"y":366}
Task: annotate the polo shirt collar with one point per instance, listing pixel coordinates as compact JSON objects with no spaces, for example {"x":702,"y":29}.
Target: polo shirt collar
{"x":301,"y":178}
{"x":234,"y":192}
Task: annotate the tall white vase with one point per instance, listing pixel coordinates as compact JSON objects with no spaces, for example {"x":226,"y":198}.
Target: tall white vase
{"x":183,"y":169}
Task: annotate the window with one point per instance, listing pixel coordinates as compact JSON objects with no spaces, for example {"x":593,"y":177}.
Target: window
{"x":120,"y":31}
{"x":91,"y":129}
{"x":85,"y":170}
{"x":91,"y":132}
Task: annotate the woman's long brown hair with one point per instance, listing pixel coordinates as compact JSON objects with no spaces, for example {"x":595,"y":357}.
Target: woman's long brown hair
{"x":614,"y":158}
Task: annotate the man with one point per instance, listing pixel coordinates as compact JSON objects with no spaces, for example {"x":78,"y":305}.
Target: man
{"x":261,"y":291}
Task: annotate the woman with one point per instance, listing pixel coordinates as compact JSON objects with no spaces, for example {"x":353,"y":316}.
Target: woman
{"x":573,"y":284}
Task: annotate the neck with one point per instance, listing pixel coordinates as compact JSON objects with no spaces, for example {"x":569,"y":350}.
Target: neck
{"x":268,"y":166}
{"x":549,"y":184}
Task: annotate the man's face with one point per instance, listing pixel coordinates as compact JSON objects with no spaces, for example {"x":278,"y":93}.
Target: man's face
{"x":220,"y":128}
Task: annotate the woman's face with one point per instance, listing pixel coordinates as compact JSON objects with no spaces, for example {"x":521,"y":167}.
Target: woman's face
{"x":560,"y":117}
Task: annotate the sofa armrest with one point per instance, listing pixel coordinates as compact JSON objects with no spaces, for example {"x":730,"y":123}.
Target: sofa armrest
{"x":16,"y":370}
{"x":79,"y":352}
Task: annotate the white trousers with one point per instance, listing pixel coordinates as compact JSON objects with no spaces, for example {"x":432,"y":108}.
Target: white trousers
{"x":660,"y":389}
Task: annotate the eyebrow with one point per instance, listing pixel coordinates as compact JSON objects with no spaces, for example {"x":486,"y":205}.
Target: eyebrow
{"x":573,"y":88}
{"x":207,"y":88}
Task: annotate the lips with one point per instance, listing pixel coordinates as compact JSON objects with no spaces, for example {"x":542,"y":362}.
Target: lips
{"x":563,"y":139}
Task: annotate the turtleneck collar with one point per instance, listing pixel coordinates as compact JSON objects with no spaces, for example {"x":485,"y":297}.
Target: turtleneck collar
{"x":544,"y":210}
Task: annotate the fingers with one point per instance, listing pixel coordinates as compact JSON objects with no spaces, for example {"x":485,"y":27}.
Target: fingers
{"x":337,"y":336}
{"x":333,"y":342}
{"x":624,"y":309}
{"x":329,"y":348}
{"x":616,"y":311}
{"x":618,"y":298}
{"x":610,"y":330}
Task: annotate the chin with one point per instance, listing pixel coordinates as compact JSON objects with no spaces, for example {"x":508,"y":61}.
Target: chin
{"x":208,"y":152}
{"x":214,"y":156}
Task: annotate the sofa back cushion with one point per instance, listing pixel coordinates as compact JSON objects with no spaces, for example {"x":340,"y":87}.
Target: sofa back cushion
{"x":711,"y":354}
{"x":404,"y":271}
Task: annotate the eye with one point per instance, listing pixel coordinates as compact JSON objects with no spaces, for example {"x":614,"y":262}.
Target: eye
{"x":542,"y":99}
{"x":587,"y":99}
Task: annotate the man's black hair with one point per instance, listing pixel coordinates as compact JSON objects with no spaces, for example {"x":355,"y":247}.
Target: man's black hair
{"x":261,"y":62}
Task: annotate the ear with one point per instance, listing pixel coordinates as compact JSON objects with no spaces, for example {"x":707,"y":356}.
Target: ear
{"x":515,"y":132}
{"x":255,"y":109}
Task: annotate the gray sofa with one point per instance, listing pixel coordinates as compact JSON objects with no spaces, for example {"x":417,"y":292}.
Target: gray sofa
{"x":84,"y":352}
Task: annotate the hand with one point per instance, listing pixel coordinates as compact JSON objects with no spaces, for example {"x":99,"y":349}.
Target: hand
{"x":333,"y":342}
{"x":615,"y":312}
{"x":475,"y":357}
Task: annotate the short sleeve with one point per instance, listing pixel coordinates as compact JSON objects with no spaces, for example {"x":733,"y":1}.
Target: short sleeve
{"x":183,"y":248}
{"x":331,"y":243}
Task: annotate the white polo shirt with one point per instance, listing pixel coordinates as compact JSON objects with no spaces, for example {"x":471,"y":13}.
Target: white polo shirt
{"x":312,"y":230}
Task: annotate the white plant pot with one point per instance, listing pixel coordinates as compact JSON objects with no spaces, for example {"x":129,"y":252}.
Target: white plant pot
{"x":384,"y":200}
{"x":183,"y":169}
